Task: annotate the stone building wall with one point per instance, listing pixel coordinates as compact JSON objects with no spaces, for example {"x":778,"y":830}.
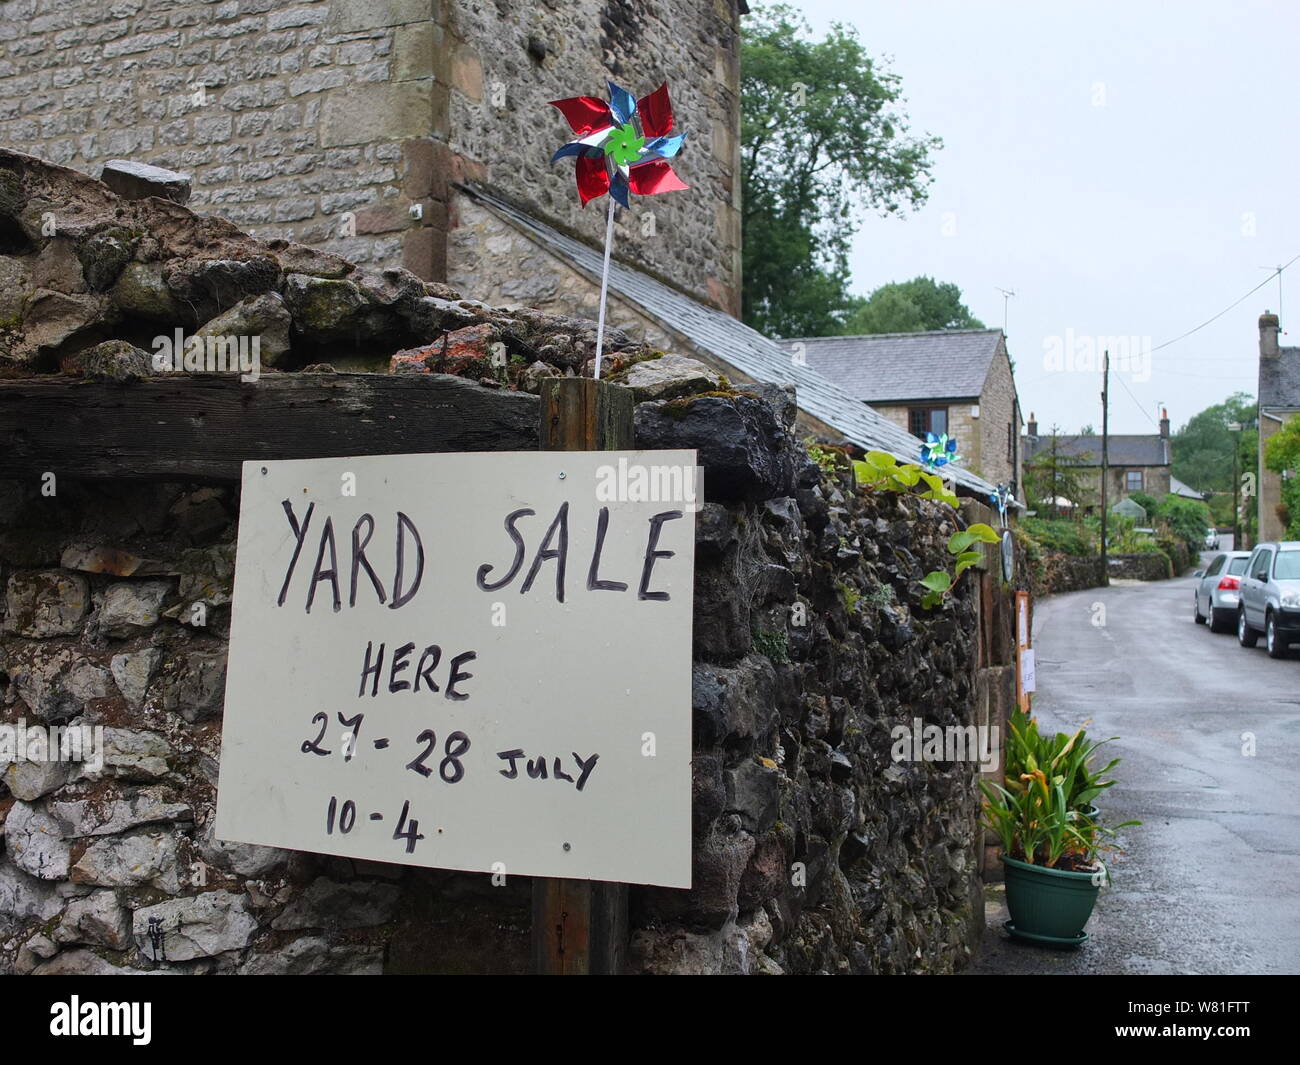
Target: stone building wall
{"x":327,"y":122}
{"x":1271,"y":525}
{"x":999,"y":412}
{"x":509,"y":58}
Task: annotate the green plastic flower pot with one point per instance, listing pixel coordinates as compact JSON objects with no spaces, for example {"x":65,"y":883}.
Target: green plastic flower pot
{"x":1049,"y":905}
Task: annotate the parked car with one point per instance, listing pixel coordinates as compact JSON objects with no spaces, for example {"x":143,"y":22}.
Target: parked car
{"x":1270,"y":597}
{"x":1218,"y":592}
{"x":1212,"y":540}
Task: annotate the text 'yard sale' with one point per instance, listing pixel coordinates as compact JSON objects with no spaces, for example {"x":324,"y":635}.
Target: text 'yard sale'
{"x":414,"y":654}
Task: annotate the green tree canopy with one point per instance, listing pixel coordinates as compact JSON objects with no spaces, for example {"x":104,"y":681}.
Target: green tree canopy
{"x":1203,"y":448}
{"x":821,"y":135}
{"x":911,"y":307}
{"x":1282,"y":453}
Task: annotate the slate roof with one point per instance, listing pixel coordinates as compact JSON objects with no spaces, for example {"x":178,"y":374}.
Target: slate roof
{"x":1178,"y":488}
{"x":895,"y":367}
{"x":1149,"y":450}
{"x":1279,"y":380}
{"x":732,"y":342}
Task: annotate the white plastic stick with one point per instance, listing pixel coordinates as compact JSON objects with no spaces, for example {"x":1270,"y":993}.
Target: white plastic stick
{"x":604,"y":286}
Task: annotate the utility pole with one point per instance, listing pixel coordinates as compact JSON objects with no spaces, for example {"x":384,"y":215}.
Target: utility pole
{"x":1105,"y":460}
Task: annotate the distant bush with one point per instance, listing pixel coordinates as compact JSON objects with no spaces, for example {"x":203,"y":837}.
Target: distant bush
{"x":1148,"y":503}
{"x":1186,"y":519}
{"x":1067,"y":537}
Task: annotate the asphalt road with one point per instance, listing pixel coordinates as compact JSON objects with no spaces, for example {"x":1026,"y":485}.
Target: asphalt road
{"x":1210,"y":882}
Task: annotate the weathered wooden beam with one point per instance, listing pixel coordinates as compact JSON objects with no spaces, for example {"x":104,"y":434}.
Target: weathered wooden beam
{"x":201,"y":428}
{"x":580,"y":926}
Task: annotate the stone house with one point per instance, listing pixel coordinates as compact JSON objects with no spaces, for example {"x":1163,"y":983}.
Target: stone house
{"x":353,"y":125}
{"x":1137,"y":462}
{"x":954,"y":381}
{"x":1279,"y":401}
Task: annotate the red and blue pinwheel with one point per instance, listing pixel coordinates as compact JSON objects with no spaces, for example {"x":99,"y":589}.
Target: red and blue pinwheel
{"x":622,"y":146}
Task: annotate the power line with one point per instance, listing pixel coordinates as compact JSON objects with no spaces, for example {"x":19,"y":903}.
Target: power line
{"x":1136,"y":403}
{"x":1224,"y":311}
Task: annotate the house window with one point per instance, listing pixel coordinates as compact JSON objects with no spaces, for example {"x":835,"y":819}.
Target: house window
{"x":1011,"y":442}
{"x":1133,"y":481}
{"x":922,"y":420}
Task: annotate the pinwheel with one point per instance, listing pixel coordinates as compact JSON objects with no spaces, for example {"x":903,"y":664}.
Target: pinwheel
{"x":1000,"y":498}
{"x":938,"y":451}
{"x":619,"y":148}
{"x":622,"y":146}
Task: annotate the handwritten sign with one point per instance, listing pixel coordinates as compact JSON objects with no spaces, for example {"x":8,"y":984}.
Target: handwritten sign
{"x":477,"y":662}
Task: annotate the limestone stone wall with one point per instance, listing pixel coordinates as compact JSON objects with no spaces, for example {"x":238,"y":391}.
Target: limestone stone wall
{"x":327,"y":122}
{"x":505,"y":60}
{"x":293,"y":118}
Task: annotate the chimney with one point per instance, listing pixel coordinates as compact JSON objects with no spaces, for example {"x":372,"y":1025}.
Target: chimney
{"x":1268,"y":336}
{"x":1164,"y":423}
{"x":1033,"y":424}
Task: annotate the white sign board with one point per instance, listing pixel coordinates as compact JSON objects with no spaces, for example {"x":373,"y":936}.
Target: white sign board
{"x":1028,"y":671}
{"x":471,"y":661}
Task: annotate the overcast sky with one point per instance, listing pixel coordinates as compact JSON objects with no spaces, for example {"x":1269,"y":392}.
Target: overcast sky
{"x":1125,"y":168}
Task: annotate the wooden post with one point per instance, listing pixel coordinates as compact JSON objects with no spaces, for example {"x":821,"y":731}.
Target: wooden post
{"x":1024,"y":640}
{"x":580,"y":926}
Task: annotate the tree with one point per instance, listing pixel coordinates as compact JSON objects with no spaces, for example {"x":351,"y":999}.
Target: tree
{"x":1053,"y":474}
{"x":911,"y":307}
{"x":1188,"y":519}
{"x":1282,"y":454}
{"x":1203,"y":448}
{"x":821,"y":134}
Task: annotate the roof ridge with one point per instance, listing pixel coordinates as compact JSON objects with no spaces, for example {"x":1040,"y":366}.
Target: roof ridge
{"x":870,"y":336}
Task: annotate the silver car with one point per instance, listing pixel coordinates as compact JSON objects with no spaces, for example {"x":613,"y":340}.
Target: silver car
{"x":1270,"y":597}
{"x":1218,"y":592}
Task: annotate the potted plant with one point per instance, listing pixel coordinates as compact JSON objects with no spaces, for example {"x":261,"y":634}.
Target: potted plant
{"x":1073,"y":754}
{"x":1052,"y":841}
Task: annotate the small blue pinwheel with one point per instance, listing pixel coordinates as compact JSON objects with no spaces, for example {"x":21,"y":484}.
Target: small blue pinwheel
{"x":1000,"y":496}
{"x":938,"y":451}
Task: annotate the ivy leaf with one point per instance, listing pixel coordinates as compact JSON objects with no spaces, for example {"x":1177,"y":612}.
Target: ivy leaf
{"x":959,"y":541}
{"x":937,"y":581}
{"x":984,"y":533}
{"x":967,"y":559}
{"x":931,"y":600}
{"x":881,"y":460}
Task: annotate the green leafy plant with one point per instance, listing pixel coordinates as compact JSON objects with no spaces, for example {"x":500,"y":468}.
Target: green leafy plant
{"x":880,"y":471}
{"x":1039,"y":812}
{"x":827,"y":458}
{"x":938,"y":582}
